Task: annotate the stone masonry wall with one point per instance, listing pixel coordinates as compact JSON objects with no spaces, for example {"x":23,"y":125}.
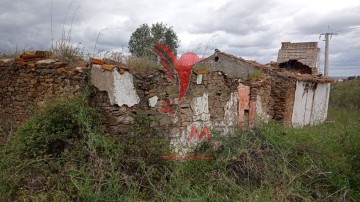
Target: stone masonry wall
{"x":282,"y":96}
{"x":215,"y":98}
{"x":25,"y":85}
{"x":210,"y":101}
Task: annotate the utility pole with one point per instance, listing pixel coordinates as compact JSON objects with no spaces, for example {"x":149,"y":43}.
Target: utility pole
{"x":326,"y":63}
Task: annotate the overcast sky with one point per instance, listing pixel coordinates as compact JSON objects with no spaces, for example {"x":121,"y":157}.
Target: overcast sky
{"x":253,"y":29}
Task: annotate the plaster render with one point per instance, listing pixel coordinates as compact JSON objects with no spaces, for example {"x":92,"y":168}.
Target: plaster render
{"x":261,"y":114}
{"x":320,"y":104}
{"x":200,"y":107}
{"x":125,"y":93}
{"x":153,"y":100}
{"x":311,"y":103}
{"x":103,"y":80}
{"x":120,"y":87}
{"x":231,"y":110}
{"x":201,"y":119}
{"x":243,"y":92}
{"x":199,"y":79}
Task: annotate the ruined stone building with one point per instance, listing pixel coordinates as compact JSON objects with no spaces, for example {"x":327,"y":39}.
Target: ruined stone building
{"x":223,"y":91}
{"x":290,"y":95}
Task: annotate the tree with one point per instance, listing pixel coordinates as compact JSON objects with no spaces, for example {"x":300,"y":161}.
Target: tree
{"x":142,"y":39}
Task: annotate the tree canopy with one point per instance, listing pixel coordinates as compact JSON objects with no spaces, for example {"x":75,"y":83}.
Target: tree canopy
{"x":142,"y":39}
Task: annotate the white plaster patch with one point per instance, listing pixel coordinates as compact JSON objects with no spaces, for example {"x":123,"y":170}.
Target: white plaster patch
{"x":104,"y":81}
{"x":124,"y":90}
{"x":153,"y":100}
{"x":199,"y":78}
{"x":261,"y":115}
{"x":320,"y":104}
{"x":46,"y":61}
{"x":230,"y":120}
{"x":200,"y":107}
{"x":230,"y":108}
{"x":299,"y":105}
{"x":182,"y":144}
{"x":201,"y":119}
{"x":310,"y":106}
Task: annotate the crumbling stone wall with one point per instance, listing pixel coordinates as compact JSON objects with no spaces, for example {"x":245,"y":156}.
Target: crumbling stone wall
{"x":27,"y":84}
{"x":261,"y":91}
{"x":222,"y":93}
{"x":282,"y":96}
{"x":210,"y":101}
{"x":231,"y":66}
{"x":304,"y":53}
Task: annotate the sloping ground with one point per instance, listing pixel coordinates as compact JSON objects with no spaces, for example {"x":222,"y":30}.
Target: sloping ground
{"x":60,"y":154}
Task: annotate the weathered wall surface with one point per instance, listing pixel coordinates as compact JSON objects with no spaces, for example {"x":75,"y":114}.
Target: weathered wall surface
{"x":311,"y":103}
{"x":220,"y":96}
{"x":120,"y":87}
{"x":230,"y":65}
{"x":282,"y":96}
{"x":28,"y":85}
{"x":320,"y":104}
{"x":307,"y":53}
{"x":209,"y":103}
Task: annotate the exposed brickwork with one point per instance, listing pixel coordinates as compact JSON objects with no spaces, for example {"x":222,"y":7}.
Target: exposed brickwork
{"x":306,"y":53}
{"x":282,"y":95}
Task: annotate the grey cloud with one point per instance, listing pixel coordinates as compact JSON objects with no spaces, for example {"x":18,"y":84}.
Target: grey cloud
{"x":236,"y":17}
{"x":313,"y":23}
{"x":251,"y":29}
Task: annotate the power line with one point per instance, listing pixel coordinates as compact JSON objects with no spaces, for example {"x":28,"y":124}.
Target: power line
{"x":349,"y":29}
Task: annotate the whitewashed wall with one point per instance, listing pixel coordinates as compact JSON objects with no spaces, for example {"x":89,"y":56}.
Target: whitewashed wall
{"x":310,"y":104}
{"x":201,"y":119}
{"x":120,"y":87}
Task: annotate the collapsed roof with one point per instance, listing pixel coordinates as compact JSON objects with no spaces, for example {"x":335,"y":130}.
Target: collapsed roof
{"x":306,"y":53}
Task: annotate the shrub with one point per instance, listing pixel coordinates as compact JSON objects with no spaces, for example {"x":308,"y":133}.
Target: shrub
{"x":60,"y":154}
{"x":67,"y":51}
{"x":48,"y":154}
{"x":256,"y":74}
{"x":142,"y":65}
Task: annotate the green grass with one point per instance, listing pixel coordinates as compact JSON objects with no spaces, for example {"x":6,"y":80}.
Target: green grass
{"x":61,"y":154}
{"x":256,"y":74}
{"x":143,"y":65}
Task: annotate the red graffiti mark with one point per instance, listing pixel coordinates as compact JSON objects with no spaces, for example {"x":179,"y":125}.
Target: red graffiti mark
{"x":167,"y":107}
{"x":205,"y":130}
{"x":166,"y":61}
{"x":183,"y":67}
{"x":164,"y":103}
{"x":167,"y":110}
{"x":184,"y":75}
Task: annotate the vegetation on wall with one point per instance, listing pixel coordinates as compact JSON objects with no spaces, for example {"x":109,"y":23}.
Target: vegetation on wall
{"x":60,"y":154}
{"x":256,"y":74}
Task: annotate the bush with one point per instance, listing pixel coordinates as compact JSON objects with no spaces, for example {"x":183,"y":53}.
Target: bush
{"x":60,"y":154}
{"x":47,"y":155}
{"x":143,"y":65}
{"x":256,"y":74}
